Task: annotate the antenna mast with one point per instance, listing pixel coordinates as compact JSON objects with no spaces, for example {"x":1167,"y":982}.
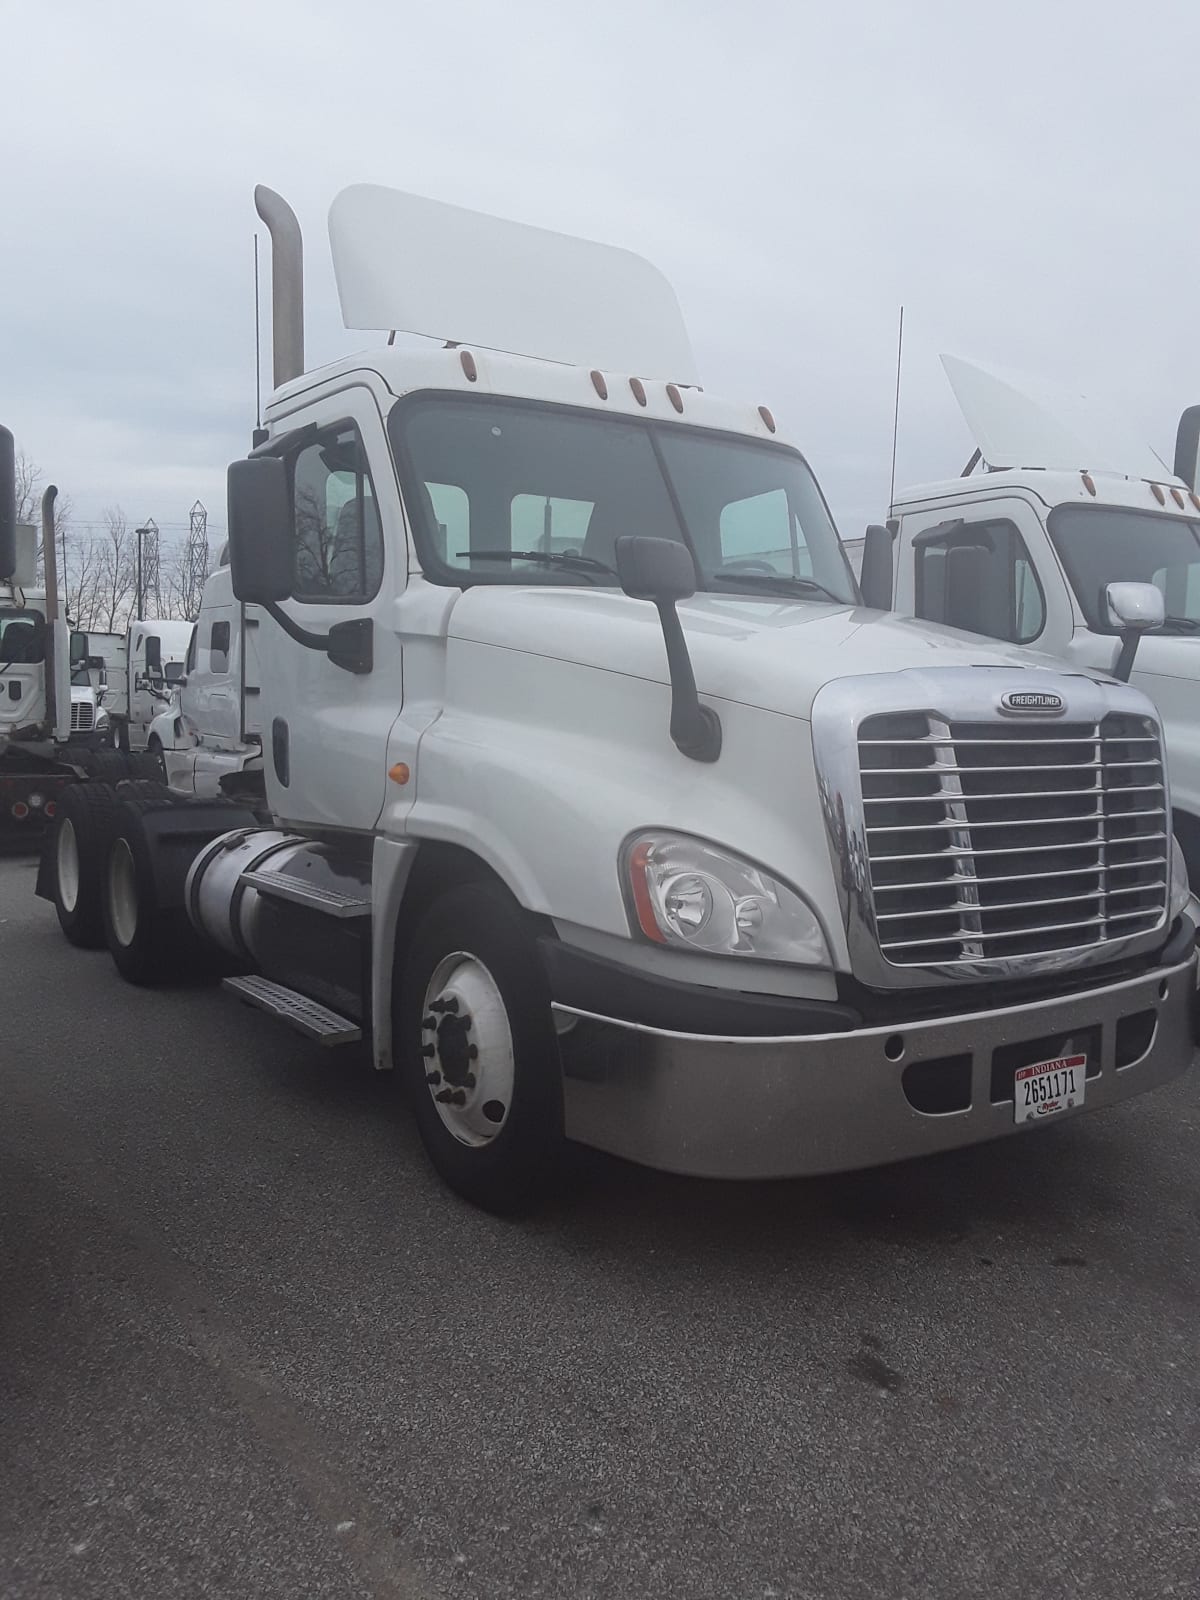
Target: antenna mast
{"x":896,"y":417}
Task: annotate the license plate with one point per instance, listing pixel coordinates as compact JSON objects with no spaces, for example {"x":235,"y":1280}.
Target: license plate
{"x":1048,"y":1087}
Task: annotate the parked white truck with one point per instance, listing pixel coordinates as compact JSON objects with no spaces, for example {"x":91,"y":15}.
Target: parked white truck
{"x":570,"y":770}
{"x":1072,"y":530}
{"x":51,"y":724}
{"x":142,"y":676}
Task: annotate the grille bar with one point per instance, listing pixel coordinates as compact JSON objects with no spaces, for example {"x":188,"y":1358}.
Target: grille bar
{"x":982,"y":886}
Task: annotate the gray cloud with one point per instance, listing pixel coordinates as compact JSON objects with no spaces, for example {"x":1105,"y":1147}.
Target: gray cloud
{"x":1018,"y":178}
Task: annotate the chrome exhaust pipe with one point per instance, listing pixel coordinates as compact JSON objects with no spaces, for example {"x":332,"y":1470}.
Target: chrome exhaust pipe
{"x":287,"y":283}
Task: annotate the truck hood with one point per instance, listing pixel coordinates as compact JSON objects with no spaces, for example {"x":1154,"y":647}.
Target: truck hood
{"x":774,"y":654}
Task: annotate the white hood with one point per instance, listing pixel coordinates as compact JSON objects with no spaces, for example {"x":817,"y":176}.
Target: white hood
{"x":772,"y":654}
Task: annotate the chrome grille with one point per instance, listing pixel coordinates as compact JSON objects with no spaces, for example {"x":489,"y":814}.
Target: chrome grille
{"x":82,"y":716}
{"x":991,"y":840}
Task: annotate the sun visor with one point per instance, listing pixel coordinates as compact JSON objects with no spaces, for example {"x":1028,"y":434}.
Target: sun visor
{"x":420,"y":266}
{"x":1023,"y":422}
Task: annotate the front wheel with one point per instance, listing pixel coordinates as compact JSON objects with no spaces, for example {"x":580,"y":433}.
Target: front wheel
{"x":476,"y":1049}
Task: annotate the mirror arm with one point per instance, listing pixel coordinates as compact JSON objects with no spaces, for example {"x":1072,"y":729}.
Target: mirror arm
{"x":348,"y":645}
{"x":1124,"y":662}
{"x":310,"y":641}
{"x":695,"y":728}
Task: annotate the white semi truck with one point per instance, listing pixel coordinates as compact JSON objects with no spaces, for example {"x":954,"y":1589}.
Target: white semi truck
{"x":142,"y":676}
{"x":566,"y":766}
{"x":52,"y":726}
{"x":1071,"y":529}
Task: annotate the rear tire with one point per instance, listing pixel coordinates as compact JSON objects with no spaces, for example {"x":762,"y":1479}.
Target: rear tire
{"x":476,"y":1049}
{"x":75,"y":856}
{"x":148,"y":764}
{"x":149,"y":943}
{"x":106,"y":766}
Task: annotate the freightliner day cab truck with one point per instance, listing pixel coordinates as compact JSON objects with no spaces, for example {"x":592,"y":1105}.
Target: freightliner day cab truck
{"x":1070,"y":522}
{"x":570,"y":770}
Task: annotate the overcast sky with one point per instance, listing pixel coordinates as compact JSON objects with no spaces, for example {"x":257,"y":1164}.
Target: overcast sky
{"x":1019,"y":175}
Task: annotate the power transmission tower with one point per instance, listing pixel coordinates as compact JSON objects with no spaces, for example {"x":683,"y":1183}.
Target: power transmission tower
{"x":149,"y":586}
{"x":195,"y":559}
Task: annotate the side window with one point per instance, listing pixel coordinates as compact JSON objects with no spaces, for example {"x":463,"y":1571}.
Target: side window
{"x":190,"y":665}
{"x":339,"y":542}
{"x":218,"y":647}
{"x":760,"y":532}
{"x":981,"y":578}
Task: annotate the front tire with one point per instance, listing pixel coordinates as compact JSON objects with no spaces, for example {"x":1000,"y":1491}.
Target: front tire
{"x":476,"y":1050}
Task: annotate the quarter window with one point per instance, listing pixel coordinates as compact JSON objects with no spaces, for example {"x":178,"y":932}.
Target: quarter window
{"x":339,"y":542}
{"x":218,"y":647}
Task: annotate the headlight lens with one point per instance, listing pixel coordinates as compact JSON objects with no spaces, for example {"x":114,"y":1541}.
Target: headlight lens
{"x":1181,"y":889}
{"x":102,"y":719}
{"x":684,"y":892}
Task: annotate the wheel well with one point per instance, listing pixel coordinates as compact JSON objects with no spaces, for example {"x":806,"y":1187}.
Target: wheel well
{"x":439,"y":867}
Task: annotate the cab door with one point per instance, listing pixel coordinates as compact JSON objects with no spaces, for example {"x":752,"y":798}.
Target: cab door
{"x":325,"y":728}
{"x":985,"y":567}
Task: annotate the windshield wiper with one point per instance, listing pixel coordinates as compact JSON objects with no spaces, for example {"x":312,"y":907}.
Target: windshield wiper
{"x":548,"y":558}
{"x":1180,"y":625}
{"x":780,"y":582}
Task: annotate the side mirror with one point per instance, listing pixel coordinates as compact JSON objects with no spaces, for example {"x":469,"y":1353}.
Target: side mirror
{"x":260,"y":530}
{"x":8,"y":505}
{"x":656,"y":569}
{"x":875,"y":579}
{"x":663,"y":571}
{"x":1133,"y":609}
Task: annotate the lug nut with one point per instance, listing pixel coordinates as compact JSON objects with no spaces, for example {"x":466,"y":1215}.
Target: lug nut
{"x":433,"y":1079}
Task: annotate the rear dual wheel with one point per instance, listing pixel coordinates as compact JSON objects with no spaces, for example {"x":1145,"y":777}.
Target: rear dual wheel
{"x":83,"y":815}
{"x":149,"y":942}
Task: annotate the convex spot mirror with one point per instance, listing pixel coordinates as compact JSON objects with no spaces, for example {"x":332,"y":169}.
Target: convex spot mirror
{"x":260,"y":530}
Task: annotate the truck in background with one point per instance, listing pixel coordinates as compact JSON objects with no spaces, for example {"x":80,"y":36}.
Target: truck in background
{"x":564,"y":764}
{"x":52,"y":727}
{"x":1071,"y":534}
{"x":142,"y":676}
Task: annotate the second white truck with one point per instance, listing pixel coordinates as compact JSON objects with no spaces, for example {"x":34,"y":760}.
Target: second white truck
{"x":1069,"y":536}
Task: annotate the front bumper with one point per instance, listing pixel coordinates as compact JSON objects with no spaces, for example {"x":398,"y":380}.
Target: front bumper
{"x":769,"y":1107}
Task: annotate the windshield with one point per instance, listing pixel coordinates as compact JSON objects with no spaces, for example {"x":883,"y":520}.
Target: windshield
{"x":1099,"y":545}
{"x":22,"y":637}
{"x":506,"y":492}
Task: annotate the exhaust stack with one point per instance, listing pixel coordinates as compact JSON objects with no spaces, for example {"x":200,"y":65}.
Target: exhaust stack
{"x":287,"y":284}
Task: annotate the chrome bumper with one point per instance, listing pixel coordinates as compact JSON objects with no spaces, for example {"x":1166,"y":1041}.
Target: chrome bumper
{"x":780,"y":1107}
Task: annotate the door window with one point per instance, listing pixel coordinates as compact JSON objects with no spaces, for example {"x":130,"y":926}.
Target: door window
{"x":339,"y":541}
{"x":981,"y":578}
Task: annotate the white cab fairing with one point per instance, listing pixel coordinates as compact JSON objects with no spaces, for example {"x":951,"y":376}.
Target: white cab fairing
{"x":411,"y":264}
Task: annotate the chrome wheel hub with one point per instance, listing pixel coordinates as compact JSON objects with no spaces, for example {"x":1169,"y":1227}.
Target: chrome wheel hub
{"x":67,"y":864}
{"x":467,"y":1049}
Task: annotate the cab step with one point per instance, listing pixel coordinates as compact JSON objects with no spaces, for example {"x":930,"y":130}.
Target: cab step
{"x":306,"y":1016}
{"x":302,"y":893}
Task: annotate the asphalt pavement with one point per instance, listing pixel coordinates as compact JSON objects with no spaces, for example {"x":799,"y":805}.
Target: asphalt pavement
{"x":250,"y":1347}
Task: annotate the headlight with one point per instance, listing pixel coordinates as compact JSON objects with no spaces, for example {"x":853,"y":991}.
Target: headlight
{"x":101,"y":719}
{"x":684,"y":892}
{"x":1181,"y":889}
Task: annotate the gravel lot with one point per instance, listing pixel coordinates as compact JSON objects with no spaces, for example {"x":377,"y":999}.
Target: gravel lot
{"x":250,"y":1348}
